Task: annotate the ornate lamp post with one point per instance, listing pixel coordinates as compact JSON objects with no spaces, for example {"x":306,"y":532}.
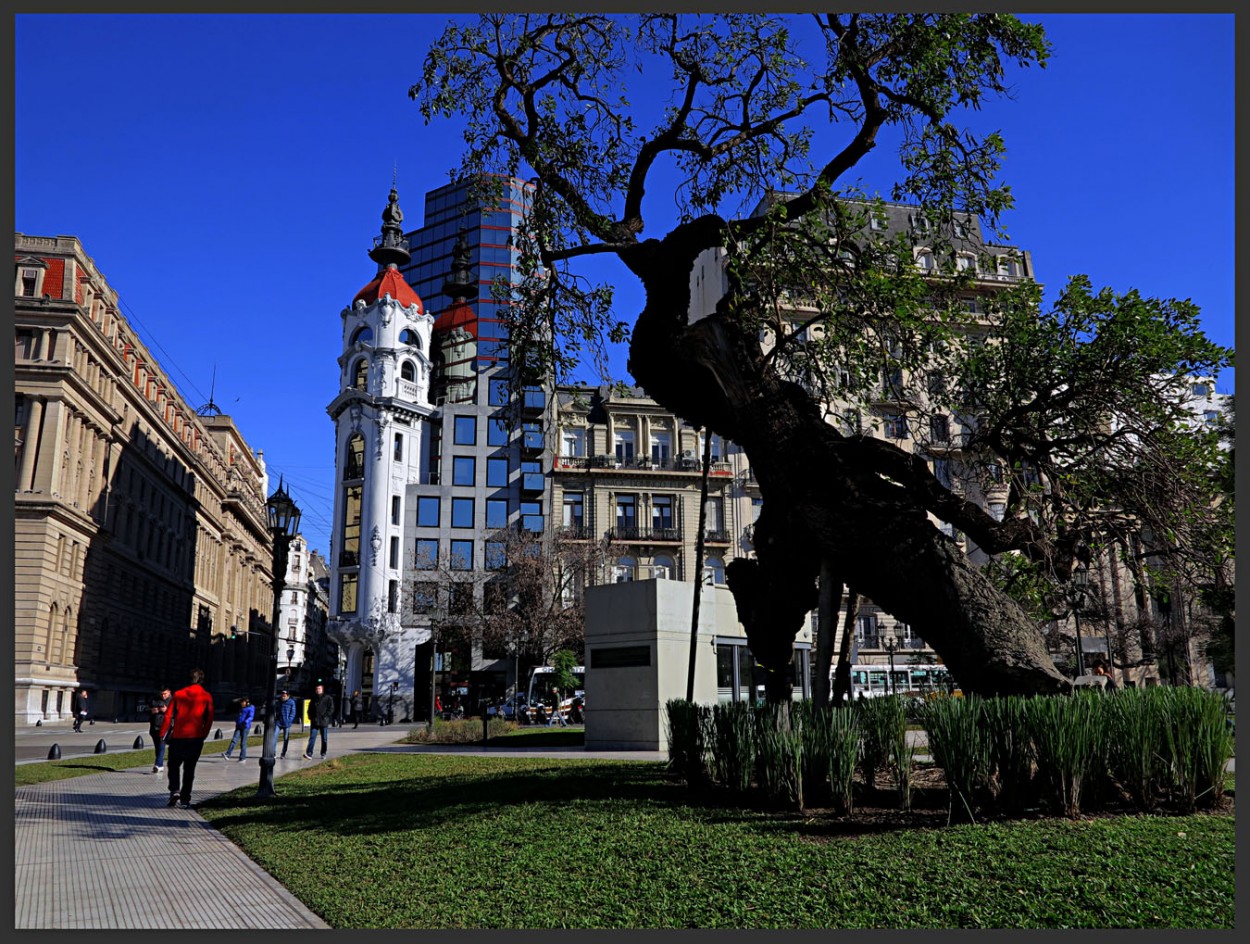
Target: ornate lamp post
{"x":891,"y":646}
{"x":283,"y":525}
{"x":1080,"y":582}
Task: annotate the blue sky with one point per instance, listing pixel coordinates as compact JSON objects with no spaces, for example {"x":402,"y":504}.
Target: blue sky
{"x":227,"y":174}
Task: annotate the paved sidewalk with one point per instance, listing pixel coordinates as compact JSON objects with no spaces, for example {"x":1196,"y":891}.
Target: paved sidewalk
{"x":104,"y":851}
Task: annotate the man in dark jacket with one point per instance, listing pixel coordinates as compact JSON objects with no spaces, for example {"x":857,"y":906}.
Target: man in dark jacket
{"x":82,"y":709}
{"x":286,"y":718}
{"x":321,"y":713}
{"x":160,"y":704}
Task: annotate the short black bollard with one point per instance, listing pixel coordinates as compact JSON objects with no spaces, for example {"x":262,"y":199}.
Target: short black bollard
{"x":101,"y":747}
{"x":218,"y":735}
{"x":257,"y":730}
{"x":138,"y":746}
{"x":39,"y":723}
{"x":54,"y":752}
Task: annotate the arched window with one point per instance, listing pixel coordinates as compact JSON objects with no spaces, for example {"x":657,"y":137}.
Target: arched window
{"x":623,"y":572}
{"x":714,"y":572}
{"x":663,"y":569}
{"x":360,"y":374}
{"x":363,"y":333}
{"x":925,"y":260}
{"x":407,"y":371}
{"x":410,"y":337}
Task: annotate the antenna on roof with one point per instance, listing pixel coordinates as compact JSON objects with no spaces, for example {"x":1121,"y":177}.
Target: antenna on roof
{"x":210,"y":408}
{"x":394,"y":174}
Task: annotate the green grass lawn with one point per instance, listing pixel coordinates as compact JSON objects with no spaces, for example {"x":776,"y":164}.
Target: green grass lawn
{"x":442,"y":841}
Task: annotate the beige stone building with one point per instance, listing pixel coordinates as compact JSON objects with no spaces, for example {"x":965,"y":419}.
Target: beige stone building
{"x":141,"y":544}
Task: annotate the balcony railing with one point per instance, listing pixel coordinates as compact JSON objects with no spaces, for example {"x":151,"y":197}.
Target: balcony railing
{"x":638,"y":463}
{"x":573,"y":532}
{"x":716,"y":537}
{"x":407,"y":389}
{"x":633,"y":533}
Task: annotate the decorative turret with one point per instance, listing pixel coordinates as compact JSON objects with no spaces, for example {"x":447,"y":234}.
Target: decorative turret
{"x":391,"y":247}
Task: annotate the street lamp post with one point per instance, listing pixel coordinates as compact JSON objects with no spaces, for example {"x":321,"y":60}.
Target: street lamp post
{"x":390,"y":708}
{"x":1080,"y":581}
{"x":283,"y":525}
{"x":890,"y":647}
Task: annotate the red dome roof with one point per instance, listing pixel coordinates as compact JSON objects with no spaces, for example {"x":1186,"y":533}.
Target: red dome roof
{"x":459,"y":315}
{"x":390,"y":283}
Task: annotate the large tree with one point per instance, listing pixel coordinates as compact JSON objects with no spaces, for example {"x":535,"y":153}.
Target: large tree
{"x":723,"y":122}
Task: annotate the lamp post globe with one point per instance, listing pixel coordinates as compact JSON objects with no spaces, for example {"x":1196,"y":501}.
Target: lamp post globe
{"x":283,"y":526}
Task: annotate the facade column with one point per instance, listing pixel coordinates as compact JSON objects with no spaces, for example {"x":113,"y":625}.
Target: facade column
{"x":30,"y":444}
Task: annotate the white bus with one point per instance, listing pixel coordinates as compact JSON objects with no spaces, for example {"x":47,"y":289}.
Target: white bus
{"x":541,"y":680}
{"x":869,"y":681}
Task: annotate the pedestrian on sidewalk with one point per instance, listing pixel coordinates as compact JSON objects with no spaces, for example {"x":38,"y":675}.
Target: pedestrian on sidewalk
{"x":82,"y":709}
{"x":242,"y":724}
{"x":358,"y":709}
{"x":556,"y":717}
{"x":187,"y":723}
{"x":321,"y":712}
{"x":286,"y":718}
{"x":158,"y":709}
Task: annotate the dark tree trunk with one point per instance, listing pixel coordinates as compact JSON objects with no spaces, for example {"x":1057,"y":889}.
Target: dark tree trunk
{"x":842,"y":680}
{"x":818,"y":502}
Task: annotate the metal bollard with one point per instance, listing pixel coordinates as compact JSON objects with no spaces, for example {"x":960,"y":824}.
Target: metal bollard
{"x":54,"y":752}
{"x":101,"y":747}
{"x":218,"y":735}
{"x":138,"y":745}
{"x":257,"y":730}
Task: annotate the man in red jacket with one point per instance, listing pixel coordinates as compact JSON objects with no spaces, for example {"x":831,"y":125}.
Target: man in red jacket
{"x":189,"y":718}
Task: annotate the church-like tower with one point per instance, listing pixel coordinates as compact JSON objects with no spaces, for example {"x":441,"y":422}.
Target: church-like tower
{"x":379,"y":417}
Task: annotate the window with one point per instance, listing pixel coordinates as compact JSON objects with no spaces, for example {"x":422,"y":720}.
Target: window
{"x":718,"y":447}
{"x":998,"y":510}
{"x":30,"y":282}
{"x":876,"y":222}
{"x":412,"y":339}
{"x":1211,"y":417}
{"x":407,"y":371}
{"x":572,"y":442}
{"x":463,"y":470}
{"x":866,"y":631}
{"x":623,"y":570}
{"x":460,"y":598}
{"x":424,"y":596}
{"x":574,"y":504}
{"x":427,"y":511}
{"x":350,"y":555}
{"x":920,"y":223}
{"x":1009,"y":266}
{"x":461,"y":555}
{"x":936,"y":383}
{"x":714,"y":512}
{"x":942,"y":471}
{"x":497,"y":473}
{"x":355,"y":467}
{"x":532,"y":516}
{"x":663,"y":568}
{"x":462,"y":513}
{"x":399,"y":447}
{"x":494,"y":599}
{"x":497,"y":431}
{"x":1201,"y":390}
{"x":496,"y":512}
{"x":960,"y":228}
{"x":926,"y":261}
{"x":427,"y":554}
{"x":896,"y":426}
{"x":360,"y":374}
{"x":714,"y":572}
{"x":464,"y":431}
{"x":532,"y":435}
{"x":965,"y":263}
{"x":392,"y":596}
{"x":347,"y":592}
{"x":624,"y":445}
{"x":395,"y":509}
{"x":495,"y":555}
{"x":363,"y":334}
{"x":626,"y":512}
{"x":498,"y":394}
{"x":661,"y":447}
{"x":394,"y":556}
{"x":939,"y":429}
{"x":662,"y":511}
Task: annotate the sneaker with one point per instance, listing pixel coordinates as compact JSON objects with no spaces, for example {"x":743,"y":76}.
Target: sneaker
{"x":242,"y":759}
{"x":186,"y":804}
{"x":155,"y":769}
{"x":308,"y":757}
{"x":227,"y":756}
{"x":173,"y":799}
{"x":323,"y":756}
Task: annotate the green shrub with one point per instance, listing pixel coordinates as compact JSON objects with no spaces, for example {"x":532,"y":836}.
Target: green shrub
{"x":843,"y":733}
{"x":959,"y":745}
{"x":779,"y":751}
{"x":1135,"y":749}
{"x":465,"y":731}
{"x":733,"y":745}
{"x":882,"y":721}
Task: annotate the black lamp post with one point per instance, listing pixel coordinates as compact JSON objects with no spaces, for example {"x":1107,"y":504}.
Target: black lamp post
{"x":283,"y":525}
{"x":1080,"y":581}
{"x":890,"y":647}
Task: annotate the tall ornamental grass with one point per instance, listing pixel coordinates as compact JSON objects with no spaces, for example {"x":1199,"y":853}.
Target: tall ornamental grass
{"x":1011,"y":753}
{"x":1068,"y":735}
{"x":688,"y":725}
{"x":960,"y":745}
{"x":883,"y":721}
{"x":1196,"y":745}
{"x":733,"y":745}
{"x":1135,"y":749}
{"x":779,"y":752}
{"x":843,"y":733}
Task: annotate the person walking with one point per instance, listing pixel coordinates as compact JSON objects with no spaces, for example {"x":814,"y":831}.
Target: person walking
{"x":321,"y":712}
{"x":242,"y":724}
{"x":82,"y":709}
{"x":556,"y":717}
{"x":358,"y":708}
{"x":158,"y":709}
{"x":286,"y":718}
{"x":187,"y":723}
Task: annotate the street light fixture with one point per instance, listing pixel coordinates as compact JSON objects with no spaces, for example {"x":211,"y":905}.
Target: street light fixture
{"x":283,"y":525}
{"x":891,"y":646}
